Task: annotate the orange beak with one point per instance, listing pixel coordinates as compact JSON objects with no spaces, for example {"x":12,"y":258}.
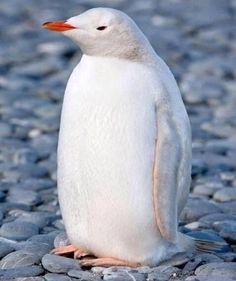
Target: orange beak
{"x":58,"y":26}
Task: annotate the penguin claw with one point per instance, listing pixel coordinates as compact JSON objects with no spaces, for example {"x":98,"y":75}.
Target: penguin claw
{"x":69,"y":250}
{"x":106,"y":262}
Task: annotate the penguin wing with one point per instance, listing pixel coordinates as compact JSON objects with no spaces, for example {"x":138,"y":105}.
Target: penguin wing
{"x":165,"y":172}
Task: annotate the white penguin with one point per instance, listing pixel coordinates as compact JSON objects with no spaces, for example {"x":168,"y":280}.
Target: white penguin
{"x":124,"y":153}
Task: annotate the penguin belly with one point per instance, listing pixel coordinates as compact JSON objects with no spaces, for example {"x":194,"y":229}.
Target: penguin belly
{"x":105,"y":162}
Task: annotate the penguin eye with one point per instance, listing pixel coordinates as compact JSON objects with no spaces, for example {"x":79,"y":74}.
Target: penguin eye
{"x":101,"y":27}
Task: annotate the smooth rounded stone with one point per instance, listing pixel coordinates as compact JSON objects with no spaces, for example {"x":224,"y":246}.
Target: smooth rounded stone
{"x":57,"y":277}
{"x":5,"y":249}
{"x":206,"y":278}
{"x":29,"y":279}
{"x":208,"y":257}
{"x":38,"y":69}
{"x":220,"y":269}
{"x":24,"y":171}
{"x":25,"y":155}
{"x":195,"y":209}
{"x":225,"y":194}
{"x":118,"y":276}
{"x":44,"y":239}
{"x":207,"y":188}
{"x":192,"y":264}
{"x":209,"y":241}
{"x":177,"y":260}
{"x":57,"y":264}
{"x":27,"y":197}
{"x":8,"y":206}
{"x":5,"y":130}
{"x":41,"y":219}
{"x":227,"y":176}
{"x":37,"y":184}
{"x":209,"y":220}
{"x":193,"y":225}
{"x":2,"y":197}
{"x":201,"y":189}
{"x":37,"y":249}
{"x":19,"y":258}
{"x":61,"y":240}
{"x":163,"y":273}
{"x":199,"y":167}
{"x":83,"y":275}
{"x":59,"y":224}
{"x":226,"y":229}
{"x":18,"y":230}
{"x":228,"y":207}
{"x":27,"y":271}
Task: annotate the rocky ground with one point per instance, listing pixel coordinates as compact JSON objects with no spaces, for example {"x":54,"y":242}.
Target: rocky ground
{"x":198,"y":41}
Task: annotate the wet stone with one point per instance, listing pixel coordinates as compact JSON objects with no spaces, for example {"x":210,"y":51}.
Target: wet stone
{"x":58,"y":264}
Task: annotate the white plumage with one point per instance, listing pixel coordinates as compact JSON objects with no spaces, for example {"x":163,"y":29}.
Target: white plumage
{"x":124,"y":155}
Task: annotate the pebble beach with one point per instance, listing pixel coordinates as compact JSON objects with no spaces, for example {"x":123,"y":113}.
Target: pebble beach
{"x":197,"y":39}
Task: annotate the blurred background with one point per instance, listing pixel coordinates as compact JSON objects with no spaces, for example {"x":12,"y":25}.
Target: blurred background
{"x":197,"y":39}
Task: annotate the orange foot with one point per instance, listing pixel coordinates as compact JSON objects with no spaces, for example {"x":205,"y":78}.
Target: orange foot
{"x":106,"y":262}
{"x":70,"y":249}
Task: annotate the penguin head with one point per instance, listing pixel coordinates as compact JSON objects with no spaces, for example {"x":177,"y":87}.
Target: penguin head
{"x":102,"y":32}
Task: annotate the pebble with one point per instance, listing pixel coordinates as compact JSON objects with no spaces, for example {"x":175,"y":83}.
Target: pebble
{"x":58,"y":264}
{"x":197,"y":48}
{"x":57,"y":277}
{"x":223,"y":270}
{"x":21,"y":258}
{"x":5,"y":249}
{"x":195,"y":209}
{"x":18,"y":230}
{"x":225,"y":194}
{"x":28,"y":271}
{"x":27,"y":197}
{"x":209,"y":220}
{"x":61,"y":240}
{"x":84,"y":275}
{"x":163,"y":273}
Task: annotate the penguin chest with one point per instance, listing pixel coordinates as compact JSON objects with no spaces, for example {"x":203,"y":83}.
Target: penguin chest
{"x":105,"y":160}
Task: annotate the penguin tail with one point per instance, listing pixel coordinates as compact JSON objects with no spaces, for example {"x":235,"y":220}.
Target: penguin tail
{"x":202,"y":244}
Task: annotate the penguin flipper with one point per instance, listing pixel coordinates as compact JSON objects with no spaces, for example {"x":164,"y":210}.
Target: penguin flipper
{"x":165,"y":174}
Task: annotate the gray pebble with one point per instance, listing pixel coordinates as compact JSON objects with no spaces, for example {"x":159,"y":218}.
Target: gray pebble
{"x":57,"y":264}
{"x":21,"y":258}
{"x":28,"y":271}
{"x":195,"y":209}
{"x":5,"y":130}
{"x":57,"y":277}
{"x":163,"y":273}
{"x":61,"y":240}
{"x":18,"y":230}
{"x":27,"y":197}
{"x":5,"y":249}
{"x":223,"y":270}
{"x":209,"y":220}
{"x":225,"y":194}
{"x":83,"y":275}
